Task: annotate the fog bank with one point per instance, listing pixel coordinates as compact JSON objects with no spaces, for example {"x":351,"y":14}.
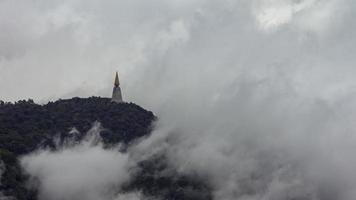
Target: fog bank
{"x":256,"y":95}
{"x":82,"y":170}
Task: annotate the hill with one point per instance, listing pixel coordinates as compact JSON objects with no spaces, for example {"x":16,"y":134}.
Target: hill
{"x":25,"y":126}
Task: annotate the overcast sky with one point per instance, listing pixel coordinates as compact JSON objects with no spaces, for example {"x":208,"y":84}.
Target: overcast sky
{"x":60,"y":49}
{"x":241,"y":87}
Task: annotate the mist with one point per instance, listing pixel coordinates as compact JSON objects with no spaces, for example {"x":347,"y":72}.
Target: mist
{"x":258,"y":96}
{"x":78,"y":170}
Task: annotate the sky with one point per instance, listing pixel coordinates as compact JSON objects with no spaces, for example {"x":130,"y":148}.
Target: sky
{"x":258,"y":88}
{"x":61,"y":49}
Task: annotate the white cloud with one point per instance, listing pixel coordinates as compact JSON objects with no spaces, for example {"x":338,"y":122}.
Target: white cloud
{"x":306,"y":15}
{"x":130,"y":196}
{"x":247,"y":92}
{"x":80,"y":171}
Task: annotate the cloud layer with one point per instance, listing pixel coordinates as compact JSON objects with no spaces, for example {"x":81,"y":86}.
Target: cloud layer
{"x":82,"y":170}
{"x":259,"y":95}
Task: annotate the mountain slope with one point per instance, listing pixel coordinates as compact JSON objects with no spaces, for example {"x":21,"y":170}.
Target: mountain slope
{"x":26,"y":126}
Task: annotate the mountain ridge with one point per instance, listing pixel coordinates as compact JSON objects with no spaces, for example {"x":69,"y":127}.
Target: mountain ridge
{"x":26,"y":126}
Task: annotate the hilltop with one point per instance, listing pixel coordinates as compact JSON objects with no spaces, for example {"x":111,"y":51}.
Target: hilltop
{"x":26,"y":126}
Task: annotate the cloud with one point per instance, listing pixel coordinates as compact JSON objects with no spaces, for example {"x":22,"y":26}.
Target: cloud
{"x":130,"y":196}
{"x":78,"y":171}
{"x":256,"y":95}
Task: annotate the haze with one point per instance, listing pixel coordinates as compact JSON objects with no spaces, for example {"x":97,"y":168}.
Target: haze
{"x":257,"y":95}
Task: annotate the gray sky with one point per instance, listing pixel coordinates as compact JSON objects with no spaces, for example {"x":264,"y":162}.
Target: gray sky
{"x":61,"y":49}
{"x":242,"y":87}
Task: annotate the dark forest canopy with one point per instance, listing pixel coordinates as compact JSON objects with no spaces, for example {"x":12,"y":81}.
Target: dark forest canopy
{"x":26,"y":126}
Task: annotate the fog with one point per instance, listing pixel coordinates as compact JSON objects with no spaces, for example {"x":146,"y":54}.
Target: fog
{"x":83,"y":170}
{"x":256,"y":95}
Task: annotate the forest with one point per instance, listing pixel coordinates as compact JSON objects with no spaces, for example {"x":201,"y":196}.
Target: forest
{"x":26,"y":126}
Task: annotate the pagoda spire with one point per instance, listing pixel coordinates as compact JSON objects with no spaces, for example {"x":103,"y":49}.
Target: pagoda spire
{"x":116,"y":93}
{"x":117,"y":82}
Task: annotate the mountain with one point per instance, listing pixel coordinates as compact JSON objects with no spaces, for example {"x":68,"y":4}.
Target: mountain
{"x":26,"y":126}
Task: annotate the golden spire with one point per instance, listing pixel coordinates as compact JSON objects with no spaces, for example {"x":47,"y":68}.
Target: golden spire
{"x":117,"y":82}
